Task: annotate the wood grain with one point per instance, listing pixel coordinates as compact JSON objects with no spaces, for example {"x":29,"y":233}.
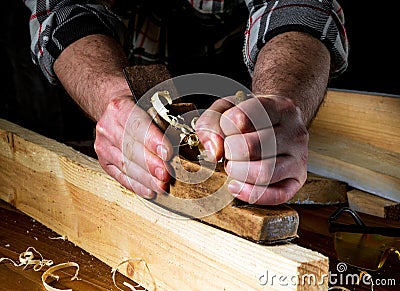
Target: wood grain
{"x":369,"y":118}
{"x":374,"y":205}
{"x":68,"y":192}
{"x":210,"y":201}
{"x":361,"y":165}
{"x":320,"y":190}
{"x":19,"y":231}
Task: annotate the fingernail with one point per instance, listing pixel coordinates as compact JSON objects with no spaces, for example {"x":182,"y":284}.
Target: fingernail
{"x":234,"y":187}
{"x":160,"y":174}
{"x":158,"y":185}
{"x":149,"y":194}
{"x":162,"y":152}
{"x":209,"y":151}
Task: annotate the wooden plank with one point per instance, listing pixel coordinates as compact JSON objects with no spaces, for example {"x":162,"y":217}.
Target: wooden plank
{"x":69,"y":192}
{"x":357,"y":163}
{"x":369,"y":118}
{"x":320,"y":190}
{"x":374,"y":205}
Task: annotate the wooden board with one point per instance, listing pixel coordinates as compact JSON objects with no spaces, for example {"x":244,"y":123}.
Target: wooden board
{"x":374,"y":205}
{"x":320,"y":190}
{"x":355,"y":138}
{"x":357,"y":163}
{"x":69,"y":192}
{"x":369,"y":118}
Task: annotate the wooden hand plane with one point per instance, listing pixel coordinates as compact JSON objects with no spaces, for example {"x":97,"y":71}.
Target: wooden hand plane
{"x":261,"y":224}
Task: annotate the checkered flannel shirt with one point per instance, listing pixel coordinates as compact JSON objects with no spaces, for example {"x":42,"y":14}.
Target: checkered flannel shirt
{"x":54,"y":24}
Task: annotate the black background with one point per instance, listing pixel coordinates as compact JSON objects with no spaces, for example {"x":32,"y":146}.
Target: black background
{"x":27,"y":98}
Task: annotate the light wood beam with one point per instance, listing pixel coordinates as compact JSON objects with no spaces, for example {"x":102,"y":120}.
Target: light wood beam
{"x":69,"y":192}
{"x":370,"y":118}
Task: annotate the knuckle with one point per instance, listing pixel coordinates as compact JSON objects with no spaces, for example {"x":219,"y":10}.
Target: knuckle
{"x":100,"y":127}
{"x":301,"y":134}
{"x":239,"y":119}
{"x":121,"y":178}
{"x":129,"y":149}
{"x":261,"y":174}
{"x":98,"y":147}
{"x":221,"y":102}
{"x":115,"y":104}
{"x":254,"y":147}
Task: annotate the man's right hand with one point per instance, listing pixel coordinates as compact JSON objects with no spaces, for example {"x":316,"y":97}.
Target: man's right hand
{"x":132,"y":149}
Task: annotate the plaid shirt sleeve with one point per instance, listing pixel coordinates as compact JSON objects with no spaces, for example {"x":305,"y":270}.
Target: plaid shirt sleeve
{"x":55,"y":24}
{"x":321,"y":18}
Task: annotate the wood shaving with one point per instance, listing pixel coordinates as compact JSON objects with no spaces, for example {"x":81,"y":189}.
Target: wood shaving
{"x":188,"y":135}
{"x":49,"y":273}
{"x":62,"y":237}
{"x":126,"y":284}
{"x":27,"y":258}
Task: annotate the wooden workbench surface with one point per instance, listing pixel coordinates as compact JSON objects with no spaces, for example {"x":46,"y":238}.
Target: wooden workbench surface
{"x":19,"y":231}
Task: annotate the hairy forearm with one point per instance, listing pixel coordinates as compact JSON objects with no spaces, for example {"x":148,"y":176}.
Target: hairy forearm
{"x":90,"y":70}
{"x":294,"y":65}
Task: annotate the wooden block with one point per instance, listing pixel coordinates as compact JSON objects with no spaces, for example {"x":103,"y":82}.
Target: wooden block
{"x":70,"y":193}
{"x":374,"y":205}
{"x":263,"y":224}
{"x":361,"y":165}
{"x":145,"y":77}
{"x":320,"y":190}
{"x":355,"y":138}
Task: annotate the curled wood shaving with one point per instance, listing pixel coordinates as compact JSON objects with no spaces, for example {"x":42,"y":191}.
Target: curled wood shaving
{"x":126,"y":284}
{"x":27,"y":258}
{"x":49,"y":273}
{"x":188,"y":134}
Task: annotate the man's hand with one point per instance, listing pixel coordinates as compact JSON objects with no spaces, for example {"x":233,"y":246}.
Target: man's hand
{"x":265,"y":157}
{"x":132,"y":149}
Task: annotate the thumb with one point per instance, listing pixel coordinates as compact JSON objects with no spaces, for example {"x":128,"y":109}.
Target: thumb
{"x":209,"y":131}
{"x":212,"y":144}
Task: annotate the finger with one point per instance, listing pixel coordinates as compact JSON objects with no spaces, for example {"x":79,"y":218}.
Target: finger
{"x":136,"y":173}
{"x":248,"y":116}
{"x":254,"y":145}
{"x":255,"y":172}
{"x":209,"y":131}
{"x":132,"y":171}
{"x":135,"y":151}
{"x":140,"y":127}
{"x":268,"y":171}
{"x":290,"y":167}
{"x":129,"y":183}
{"x":273,"y":194}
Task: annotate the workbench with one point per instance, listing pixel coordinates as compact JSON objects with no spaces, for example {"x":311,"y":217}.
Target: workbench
{"x":19,"y":231}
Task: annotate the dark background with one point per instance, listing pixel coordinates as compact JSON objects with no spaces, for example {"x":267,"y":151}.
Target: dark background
{"x":28,"y":100}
